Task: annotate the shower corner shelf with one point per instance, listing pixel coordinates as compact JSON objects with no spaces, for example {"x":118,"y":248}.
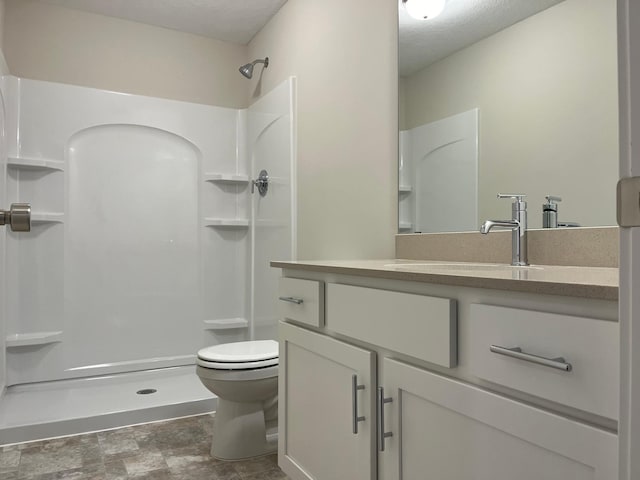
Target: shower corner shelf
{"x":47,"y":217}
{"x":226,"y":222}
{"x":31,"y":339}
{"x":405,"y":189}
{"x":226,"y":324}
{"x":35,"y":163}
{"x":225,"y":178}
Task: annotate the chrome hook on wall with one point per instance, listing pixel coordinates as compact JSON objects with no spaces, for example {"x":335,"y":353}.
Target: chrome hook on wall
{"x":262,"y":182}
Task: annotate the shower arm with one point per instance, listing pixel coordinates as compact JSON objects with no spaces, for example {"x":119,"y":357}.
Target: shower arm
{"x":260,"y":60}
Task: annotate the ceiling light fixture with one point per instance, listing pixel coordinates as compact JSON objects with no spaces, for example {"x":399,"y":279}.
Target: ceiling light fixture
{"x":424,"y":9}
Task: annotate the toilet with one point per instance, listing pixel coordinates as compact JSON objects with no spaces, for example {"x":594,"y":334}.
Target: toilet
{"x":244,"y":376}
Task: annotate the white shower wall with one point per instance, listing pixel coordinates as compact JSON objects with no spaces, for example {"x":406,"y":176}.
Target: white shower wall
{"x":141,"y":251}
{"x":438,"y":175}
{"x":271,"y":141}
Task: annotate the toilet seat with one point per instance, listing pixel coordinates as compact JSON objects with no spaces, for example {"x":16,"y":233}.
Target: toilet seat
{"x":239,"y":355}
{"x":237,"y":366}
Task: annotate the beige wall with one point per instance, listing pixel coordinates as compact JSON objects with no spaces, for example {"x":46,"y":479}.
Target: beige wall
{"x":402,"y":101}
{"x":48,"y":42}
{"x":547,"y":93}
{"x":344,"y":55}
{"x":4,"y":68}
{"x":2,"y":7}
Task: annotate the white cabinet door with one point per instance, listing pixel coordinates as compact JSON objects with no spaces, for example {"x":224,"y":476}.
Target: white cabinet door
{"x":318,"y":406}
{"x":448,"y":430}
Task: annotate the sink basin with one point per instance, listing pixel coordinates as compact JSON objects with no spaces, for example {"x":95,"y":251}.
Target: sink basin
{"x":459,"y":267}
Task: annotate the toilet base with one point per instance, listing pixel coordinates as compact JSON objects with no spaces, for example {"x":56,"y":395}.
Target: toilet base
{"x":240,"y":431}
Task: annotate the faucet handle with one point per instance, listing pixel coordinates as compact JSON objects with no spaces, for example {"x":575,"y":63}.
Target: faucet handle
{"x":516,"y":196}
{"x":551,"y":199}
{"x":518,"y":201}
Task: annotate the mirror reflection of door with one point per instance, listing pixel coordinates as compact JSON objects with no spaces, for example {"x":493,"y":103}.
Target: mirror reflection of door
{"x":439,"y":175}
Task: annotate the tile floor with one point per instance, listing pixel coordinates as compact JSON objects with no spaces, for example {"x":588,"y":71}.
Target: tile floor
{"x":170,"y":450}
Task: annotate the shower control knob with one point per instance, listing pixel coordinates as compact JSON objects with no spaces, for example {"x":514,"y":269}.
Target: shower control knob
{"x":262,"y":182}
{"x":18,"y":217}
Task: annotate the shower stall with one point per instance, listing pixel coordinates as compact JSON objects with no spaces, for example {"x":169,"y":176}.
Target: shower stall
{"x":146,"y":245}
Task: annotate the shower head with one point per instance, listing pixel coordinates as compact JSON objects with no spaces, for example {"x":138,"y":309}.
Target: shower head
{"x":247,"y":70}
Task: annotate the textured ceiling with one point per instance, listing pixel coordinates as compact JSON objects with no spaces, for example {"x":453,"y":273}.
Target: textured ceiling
{"x":235,"y":21}
{"x":462,"y":23}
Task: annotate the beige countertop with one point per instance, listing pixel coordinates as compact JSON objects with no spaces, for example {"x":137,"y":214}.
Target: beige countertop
{"x":585,"y":282}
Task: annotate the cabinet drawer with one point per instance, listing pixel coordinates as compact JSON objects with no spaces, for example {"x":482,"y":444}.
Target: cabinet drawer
{"x":301,"y":301}
{"x":589,"y":346}
{"x":416,"y":325}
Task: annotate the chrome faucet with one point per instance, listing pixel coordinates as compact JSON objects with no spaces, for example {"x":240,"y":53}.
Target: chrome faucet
{"x":550,"y":212}
{"x":518,"y":226}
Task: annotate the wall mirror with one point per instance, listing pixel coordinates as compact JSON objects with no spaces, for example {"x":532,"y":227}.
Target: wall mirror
{"x":508,"y":96}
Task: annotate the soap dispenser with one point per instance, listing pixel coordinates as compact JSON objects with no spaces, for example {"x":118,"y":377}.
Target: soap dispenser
{"x":550,"y":212}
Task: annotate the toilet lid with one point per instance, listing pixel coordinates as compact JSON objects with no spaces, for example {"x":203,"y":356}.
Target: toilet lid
{"x":257,"y":351}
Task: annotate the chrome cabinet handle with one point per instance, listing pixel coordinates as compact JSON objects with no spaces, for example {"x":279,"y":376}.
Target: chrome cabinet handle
{"x":381,"y":433}
{"x":297,"y":301}
{"x":516,"y":352}
{"x":354,"y":402}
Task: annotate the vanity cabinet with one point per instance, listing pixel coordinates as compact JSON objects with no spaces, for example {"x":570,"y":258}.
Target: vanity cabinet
{"x":435,"y":402}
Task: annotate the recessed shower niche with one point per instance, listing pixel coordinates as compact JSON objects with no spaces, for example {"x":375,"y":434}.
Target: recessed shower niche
{"x":144,"y":243}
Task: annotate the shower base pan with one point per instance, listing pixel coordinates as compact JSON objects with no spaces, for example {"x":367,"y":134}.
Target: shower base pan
{"x":67,"y":407}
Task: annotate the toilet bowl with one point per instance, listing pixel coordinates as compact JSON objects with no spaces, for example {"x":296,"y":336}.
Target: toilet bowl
{"x":244,"y":376}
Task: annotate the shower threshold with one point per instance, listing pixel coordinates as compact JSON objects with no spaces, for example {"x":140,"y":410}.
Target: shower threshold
{"x":68,"y":407}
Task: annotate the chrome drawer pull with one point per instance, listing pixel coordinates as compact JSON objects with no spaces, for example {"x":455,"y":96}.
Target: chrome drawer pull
{"x":354,"y":402}
{"x":297,"y":301}
{"x":516,"y":352}
{"x":382,"y":435}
